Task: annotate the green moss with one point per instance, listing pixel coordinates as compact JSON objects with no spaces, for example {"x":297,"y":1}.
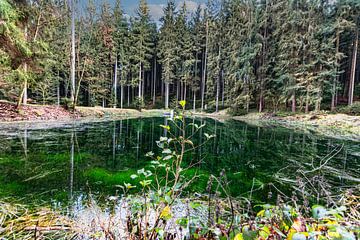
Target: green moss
{"x":13,"y":188}
{"x":107,"y":178}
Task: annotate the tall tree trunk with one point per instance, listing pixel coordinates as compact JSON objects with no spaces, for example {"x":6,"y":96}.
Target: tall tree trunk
{"x":139,"y":93}
{"x":223,"y":89}
{"x":353,"y":69}
{"x":154,"y":82}
{"x":177,"y":90}
{"x":319,"y":93}
{"x":121,"y":95}
{"x":336,"y":78}
{"x":218,"y":84}
{"x":307,"y":99}
{"x":115,"y":82}
{"x":194,"y":103}
{"x":143,"y":84}
{"x":72,"y":70}
{"x":58,"y":94}
{"x":166,"y":95}
{"x":25,"y":97}
{"x":203,"y":83}
{"x":293,"y":101}
{"x":128,"y":96}
{"x":184,"y":98}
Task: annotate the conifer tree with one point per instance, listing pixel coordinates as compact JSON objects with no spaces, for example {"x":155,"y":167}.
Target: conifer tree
{"x":141,"y":44}
{"x":167,"y":47}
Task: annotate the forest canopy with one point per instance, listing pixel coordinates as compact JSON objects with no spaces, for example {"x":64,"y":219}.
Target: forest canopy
{"x":298,"y":55}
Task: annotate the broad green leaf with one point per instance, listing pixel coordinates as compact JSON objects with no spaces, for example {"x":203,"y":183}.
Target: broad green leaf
{"x":166,"y":213}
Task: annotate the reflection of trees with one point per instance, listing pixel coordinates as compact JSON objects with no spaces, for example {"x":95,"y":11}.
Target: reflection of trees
{"x":248,"y":152}
{"x":245,"y":152}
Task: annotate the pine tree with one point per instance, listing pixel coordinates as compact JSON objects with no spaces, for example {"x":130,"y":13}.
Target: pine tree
{"x":121,"y":38}
{"x":185,"y":48}
{"x":168,"y":48}
{"x":197,"y":33}
{"x":141,"y":44}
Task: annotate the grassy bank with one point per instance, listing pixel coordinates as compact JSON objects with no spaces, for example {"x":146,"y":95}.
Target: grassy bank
{"x":187,"y":218}
{"x":338,"y":125}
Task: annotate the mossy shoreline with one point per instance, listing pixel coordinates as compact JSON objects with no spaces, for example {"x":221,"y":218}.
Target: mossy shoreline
{"x":336,"y":125}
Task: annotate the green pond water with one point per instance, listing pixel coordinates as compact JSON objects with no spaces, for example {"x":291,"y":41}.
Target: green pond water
{"x":59,"y":164}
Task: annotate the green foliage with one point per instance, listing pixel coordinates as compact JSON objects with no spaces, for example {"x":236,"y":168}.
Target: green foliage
{"x":253,"y":54}
{"x":351,"y":110}
{"x":236,"y":111}
{"x":139,"y":103}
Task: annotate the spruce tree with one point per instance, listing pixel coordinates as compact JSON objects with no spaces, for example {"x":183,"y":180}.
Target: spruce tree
{"x":168,"y":47}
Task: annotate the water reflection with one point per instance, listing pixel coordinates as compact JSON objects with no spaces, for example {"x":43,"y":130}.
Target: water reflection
{"x":62,"y":163}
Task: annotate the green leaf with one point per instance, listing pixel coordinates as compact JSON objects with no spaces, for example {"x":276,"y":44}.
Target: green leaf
{"x":168,"y":157}
{"x":129,"y":186}
{"x":166,"y":213}
{"x":319,"y":212}
{"x":182,"y":103}
{"x":165,"y":127}
{"x":145,"y":183}
{"x":149,"y":154}
{"x":166,"y":151}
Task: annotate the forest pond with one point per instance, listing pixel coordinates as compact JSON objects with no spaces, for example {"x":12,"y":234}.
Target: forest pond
{"x":61,"y":165}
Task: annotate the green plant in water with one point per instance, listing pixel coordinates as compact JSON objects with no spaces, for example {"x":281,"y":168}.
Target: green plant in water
{"x":165,"y":179}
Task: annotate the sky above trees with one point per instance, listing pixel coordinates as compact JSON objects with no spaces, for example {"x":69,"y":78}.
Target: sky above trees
{"x":155,"y":6}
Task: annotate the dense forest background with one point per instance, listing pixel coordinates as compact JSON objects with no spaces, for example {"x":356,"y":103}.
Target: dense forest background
{"x":298,"y":55}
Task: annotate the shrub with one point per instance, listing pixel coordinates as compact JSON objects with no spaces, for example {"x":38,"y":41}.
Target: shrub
{"x":351,"y":110}
{"x":138,"y":103}
{"x":236,"y":111}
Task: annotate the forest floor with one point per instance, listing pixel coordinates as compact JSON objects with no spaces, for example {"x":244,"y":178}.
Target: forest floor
{"x":340,"y":126}
{"x":40,"y":113}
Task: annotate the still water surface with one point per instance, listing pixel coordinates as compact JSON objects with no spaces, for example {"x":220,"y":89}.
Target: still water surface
{"x":57,"y":165}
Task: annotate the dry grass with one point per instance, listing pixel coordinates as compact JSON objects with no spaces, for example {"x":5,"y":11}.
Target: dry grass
{"x":19,"y":222}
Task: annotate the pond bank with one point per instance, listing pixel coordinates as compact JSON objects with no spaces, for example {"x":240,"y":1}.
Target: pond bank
{"x":49,"y":115}
{"x":338,"y":125}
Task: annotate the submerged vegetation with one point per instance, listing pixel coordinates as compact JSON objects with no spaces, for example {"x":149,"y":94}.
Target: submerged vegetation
{"x":171,"y":198}
{"x":189,"y":178}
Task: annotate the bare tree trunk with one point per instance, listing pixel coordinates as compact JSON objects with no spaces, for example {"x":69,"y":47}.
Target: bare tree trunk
{"x":204,"y":68}
{"x":177,"y":90}
{"x":25,"y":97}
{"x":58,"y":94}
{"x":223,"y":89}
{"x":139,"y":93}
{"x":115,"y":82}
{"x":23,"y":94}
{"x":336,"y":78}
{"x":353,"y":69}
{"x":307,"y":100}
{"x":293,"y":102}
{"x":128,"y":96}
{"x":194,"y":103}
{"x":72,"y":70}
{"x":184,"y":98}
{"x":218,"y":84}
{"x":121,"y":95}
{"x":166,"y":95}
{"x":154,"y":82}
{"x":143,"y":84}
